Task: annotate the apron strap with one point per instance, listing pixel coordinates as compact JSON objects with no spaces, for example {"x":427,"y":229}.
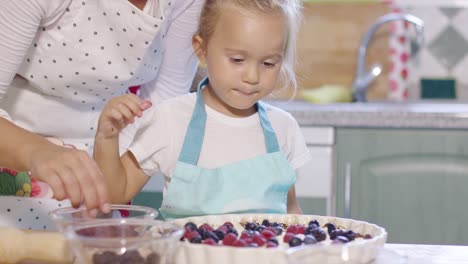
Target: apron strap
{"x":193,"y":141}
{"x":271,"y":142}
{"x":194,"y":136}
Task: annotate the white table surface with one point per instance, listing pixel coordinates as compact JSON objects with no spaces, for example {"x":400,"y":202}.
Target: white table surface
{"x":422,"y":254}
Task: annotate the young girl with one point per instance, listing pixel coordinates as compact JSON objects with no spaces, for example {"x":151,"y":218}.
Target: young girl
{"x":221,"y":150}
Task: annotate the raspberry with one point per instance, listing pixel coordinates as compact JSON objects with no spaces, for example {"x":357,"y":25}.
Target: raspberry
{"x":209,"y":241}
{"x":223,"y":228}
{"x":268,"y":234}
{"x":292,"y":229}
{"x":245,"y":234}
{"x":300,"y":229}
{"x":229,"y":239}
{"x":190,"y":234}
{"x":271,"y":244}
{"x":287,"y":237}
{"x":239,"y":243}
{"x":259,"y":239}
{"x":207,"y":227}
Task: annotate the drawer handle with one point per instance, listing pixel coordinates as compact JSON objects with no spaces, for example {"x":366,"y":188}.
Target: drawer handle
{"x":347,"y":193}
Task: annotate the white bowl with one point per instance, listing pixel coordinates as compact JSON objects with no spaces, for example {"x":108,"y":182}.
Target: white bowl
{"x":357,"y":251}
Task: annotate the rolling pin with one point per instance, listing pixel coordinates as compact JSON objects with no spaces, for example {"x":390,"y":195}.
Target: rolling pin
{"x":17,"y":246}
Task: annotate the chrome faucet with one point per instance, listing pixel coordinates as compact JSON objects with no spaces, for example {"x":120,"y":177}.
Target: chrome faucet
{"x":363,"y":78}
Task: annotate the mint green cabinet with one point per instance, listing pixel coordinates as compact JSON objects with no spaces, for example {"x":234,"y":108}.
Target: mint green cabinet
{"x":412,"y":182}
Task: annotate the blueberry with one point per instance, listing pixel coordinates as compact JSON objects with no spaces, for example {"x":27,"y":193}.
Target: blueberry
{"x":295,"y":241}
{"x":274,"y":240}
{"x":309,"y":230}
{"x":309,"y":240}
{"x":319,"y":234}
{"x":210,"y":234}
{"x":190,"y":226}
{"x":250,"y":226}
{"x":266,"y":223}
{"x":276,"y":224}
{"x":203,"y":233}
{"x":278,"y":230}
{"x":350,"y":235}
{"x":220,"y":234}
{"x":260,"y":228}
{"x":330,"y":227}
{"x":340,"y":239}
{"x":196,"y":240}
{"x":335,"y":233}
{"x":314,"y":223}
{"x":232,"y":230}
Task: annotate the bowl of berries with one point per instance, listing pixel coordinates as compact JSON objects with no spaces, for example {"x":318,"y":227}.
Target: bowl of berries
{"x":277,"y":239}
{"x":133,"y":240}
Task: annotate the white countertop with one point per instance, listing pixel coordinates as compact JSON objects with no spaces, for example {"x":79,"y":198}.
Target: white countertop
{"x":441,"y":115}
{"x":422,"y":254}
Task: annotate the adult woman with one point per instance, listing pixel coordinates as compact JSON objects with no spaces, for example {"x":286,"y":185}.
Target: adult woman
{"x":61,"y":60}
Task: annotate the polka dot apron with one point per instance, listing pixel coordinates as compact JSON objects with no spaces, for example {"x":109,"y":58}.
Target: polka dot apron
{"x":94,"y":51}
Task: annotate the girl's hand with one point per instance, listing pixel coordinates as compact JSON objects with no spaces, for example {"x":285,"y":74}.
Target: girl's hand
{"x":118,"y":113}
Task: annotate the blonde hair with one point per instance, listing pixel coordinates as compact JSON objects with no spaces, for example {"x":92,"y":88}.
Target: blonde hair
{"x":290,"y":9}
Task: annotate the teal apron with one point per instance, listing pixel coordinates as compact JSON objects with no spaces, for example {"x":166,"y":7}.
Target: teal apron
{"x":257,"y":185}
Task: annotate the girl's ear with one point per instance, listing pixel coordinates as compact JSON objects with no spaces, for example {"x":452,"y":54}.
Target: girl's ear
{"x":197,"y":44}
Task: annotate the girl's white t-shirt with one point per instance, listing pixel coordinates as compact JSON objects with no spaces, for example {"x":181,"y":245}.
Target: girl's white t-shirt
{"x":227,"y":139}
{"x":71,"y":56}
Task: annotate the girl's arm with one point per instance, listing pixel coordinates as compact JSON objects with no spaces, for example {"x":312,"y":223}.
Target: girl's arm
{"x":179,"y":64}
{"x":123,"y":175}
{"x":293,"y":205}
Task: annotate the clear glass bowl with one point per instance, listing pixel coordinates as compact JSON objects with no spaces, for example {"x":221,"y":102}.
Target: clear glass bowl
{"x":69,"y":215}
{"x":135,"y":241}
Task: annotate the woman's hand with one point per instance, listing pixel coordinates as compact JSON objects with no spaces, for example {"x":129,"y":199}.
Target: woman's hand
{"x":71,"y":174}
{"x":118,"y":113}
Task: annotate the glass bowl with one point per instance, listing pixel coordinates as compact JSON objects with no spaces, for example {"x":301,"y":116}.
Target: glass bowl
{"x":69,"y":215}
{"x":145,"y":241}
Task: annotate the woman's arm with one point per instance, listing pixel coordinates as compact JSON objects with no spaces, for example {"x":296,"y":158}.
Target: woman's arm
{"x":293,"y":205}
{"x":70,"y":173}
{"x":123,"y":175}
{"x":19,"y":23}
{"x":179,"y":63}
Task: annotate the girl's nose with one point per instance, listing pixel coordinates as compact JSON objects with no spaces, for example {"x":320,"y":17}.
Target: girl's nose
{"x":251,"y":74}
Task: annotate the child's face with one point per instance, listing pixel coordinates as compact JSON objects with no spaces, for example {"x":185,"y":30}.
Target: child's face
{"x":243,"y":57}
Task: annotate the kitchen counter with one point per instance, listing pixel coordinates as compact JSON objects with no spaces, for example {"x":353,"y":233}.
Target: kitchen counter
{"x":435,"y":115}
{"x":422,"y":254}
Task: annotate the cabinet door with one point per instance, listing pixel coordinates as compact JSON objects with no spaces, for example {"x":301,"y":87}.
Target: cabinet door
{"x":314,"y":180}
{"x":412,"y":182}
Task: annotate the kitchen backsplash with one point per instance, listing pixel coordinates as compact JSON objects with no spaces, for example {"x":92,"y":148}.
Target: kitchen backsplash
{"x":438,"y":69}
{"x":332,"y":30}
